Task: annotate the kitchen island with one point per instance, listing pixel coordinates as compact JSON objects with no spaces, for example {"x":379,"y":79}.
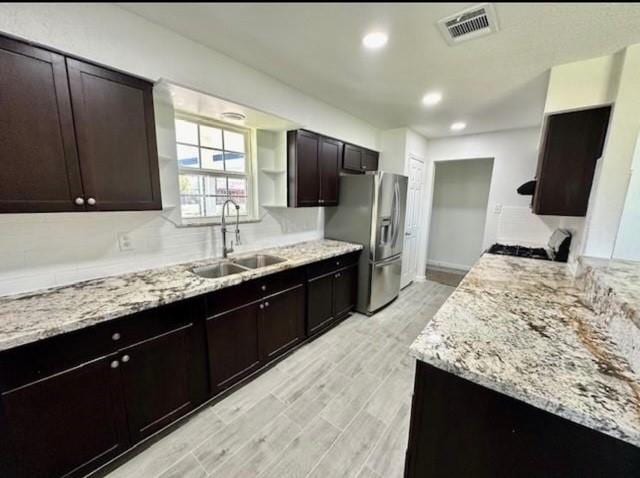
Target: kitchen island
{"x":518,"y":376}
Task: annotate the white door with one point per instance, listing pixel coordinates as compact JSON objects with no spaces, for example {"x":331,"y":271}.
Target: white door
{"x":412,"y":220}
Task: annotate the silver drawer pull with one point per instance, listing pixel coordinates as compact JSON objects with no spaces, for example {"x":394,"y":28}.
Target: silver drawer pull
{"x":125,"y":358}
{"x":338,"y":275}
{"x":116,"y":336}
{"x":264,"y":287}
{"x":115,"y":364}
{"x":91,"y":202}
{"x":262,"y":306}
{"x":79,"y":201}
{"x":266,"y":304}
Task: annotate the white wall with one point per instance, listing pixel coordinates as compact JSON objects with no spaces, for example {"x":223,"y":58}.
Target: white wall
{"x":627,"y":241}
{"x":509,"y":217}
{"x":608,"y":198}
{"x":43,"y":250}
{"x":460,"y":196}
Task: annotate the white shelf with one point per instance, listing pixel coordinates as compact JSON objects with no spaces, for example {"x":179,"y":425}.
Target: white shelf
{"x":274,"y":171}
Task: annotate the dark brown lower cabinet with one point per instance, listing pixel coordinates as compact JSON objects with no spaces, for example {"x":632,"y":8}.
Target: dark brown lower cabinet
{"x":460,"y":429}
{"x":157,"y":380}
{"x":66,"y":424}
{"x":344,"y":285}
{"x":281,"y":322}
{"x":233,"y":345}
{"x":71,"y":403}
{"x":330,"y":297}
{"x":320,"y":302}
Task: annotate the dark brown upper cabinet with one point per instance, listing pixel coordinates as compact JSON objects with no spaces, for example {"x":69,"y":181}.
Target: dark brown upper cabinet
{"x":74,"y":136}
{"x":115,"y":130}
{"x":313,"y":165}
{"x":359,"y":159}
{"x":572,"y":144}
{"x":40,"y":170}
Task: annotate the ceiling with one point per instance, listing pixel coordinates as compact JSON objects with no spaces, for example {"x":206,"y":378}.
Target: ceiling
{"x":492,"y":83}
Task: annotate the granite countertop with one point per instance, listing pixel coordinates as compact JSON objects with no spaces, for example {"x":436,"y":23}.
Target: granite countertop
{"x":37,"y":315}
{"x":521,"y":327}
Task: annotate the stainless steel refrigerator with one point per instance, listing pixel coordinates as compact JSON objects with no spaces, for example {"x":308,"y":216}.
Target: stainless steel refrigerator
{"x":371,"y":213}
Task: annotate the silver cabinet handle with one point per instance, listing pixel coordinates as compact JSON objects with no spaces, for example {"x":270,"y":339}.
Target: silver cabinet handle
{"x":337,"y":263}
{"x":115,"y":364}
{"x":116,"y":336}
{"x":338,"y":275}
{"x":91,"y":202}
{"x":266,"y":304}
{"x":79,"y":201}
{"x":125,"y":358}
{"x":262,"y":306}
{"x":264,"y":287}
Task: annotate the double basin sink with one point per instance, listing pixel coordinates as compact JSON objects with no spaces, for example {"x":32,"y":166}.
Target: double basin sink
{"x":236,"y":266}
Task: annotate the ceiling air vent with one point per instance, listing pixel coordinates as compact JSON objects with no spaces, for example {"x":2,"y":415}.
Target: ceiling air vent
{"x":471,"y":23}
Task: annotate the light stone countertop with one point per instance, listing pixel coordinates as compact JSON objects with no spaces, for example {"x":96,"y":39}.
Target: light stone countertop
{"x":521,"y":327}
{"x":30,"y":317}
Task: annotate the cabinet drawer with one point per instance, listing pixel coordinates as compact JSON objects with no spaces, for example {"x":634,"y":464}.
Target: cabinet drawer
{"x":251,"y":291}
{"x":37,"y":360}
{"x":332,"y":264}
{"x":40,"y":359}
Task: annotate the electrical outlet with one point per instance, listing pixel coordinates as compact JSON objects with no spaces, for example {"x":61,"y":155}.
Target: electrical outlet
{"x":497,"y":209}
{"x":124,"y":242}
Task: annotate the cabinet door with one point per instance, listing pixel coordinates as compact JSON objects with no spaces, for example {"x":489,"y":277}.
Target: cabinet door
{"x":40,"y":169}
{"x":114,"y":122}
{"x":573,"y":142}
{"x":233,"y":345}
{"x":281,"y":322}
{"x":352,"y":158}
{"x":304,"y":187}
{"x":370,"y":160}
{"x":68,"y":423}
{"x":157,"y":381}
{"x":320,"y":311}
{"x":345,"y":282}
{"x":329,"y":162}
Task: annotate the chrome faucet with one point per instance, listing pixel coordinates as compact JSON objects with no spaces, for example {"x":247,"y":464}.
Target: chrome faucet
{"x":226,"y":250}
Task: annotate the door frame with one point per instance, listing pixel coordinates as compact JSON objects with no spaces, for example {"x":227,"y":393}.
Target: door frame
{"x":431,"y":179}
{"x":419,"y":233}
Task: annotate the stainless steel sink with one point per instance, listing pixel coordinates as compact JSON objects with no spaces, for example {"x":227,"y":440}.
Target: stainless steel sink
{"x":221,"y":269}
{"x":259,"y":260}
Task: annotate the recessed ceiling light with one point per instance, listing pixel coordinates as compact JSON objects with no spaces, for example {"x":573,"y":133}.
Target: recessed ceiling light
{"x":375,"y":40}
{"x":458,"y":125}
{"x":431,"y":99}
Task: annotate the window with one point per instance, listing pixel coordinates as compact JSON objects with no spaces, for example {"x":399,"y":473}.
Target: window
{"x":214,"y":163}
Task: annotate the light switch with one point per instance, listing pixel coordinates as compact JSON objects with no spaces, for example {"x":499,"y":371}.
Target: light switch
{"x":497,"y":209}
{"x":124,"y":242}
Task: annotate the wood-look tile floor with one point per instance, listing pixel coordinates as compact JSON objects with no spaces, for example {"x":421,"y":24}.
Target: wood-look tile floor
{"x":337,"y":407}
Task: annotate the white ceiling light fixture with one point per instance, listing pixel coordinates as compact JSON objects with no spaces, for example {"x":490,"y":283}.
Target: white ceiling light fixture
{"x":458,"y":126}
{"x":431,"y":99}
{"x":233,"y":116}
{"x":375,"y":40}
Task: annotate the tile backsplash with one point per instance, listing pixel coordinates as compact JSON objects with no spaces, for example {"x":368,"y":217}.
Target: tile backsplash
{"x":45,"y":250}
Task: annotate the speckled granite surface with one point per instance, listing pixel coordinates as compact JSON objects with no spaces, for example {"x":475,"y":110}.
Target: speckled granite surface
{"x":521,"y":327}
{"x":30,"y":317}
{"x":612,"y":288}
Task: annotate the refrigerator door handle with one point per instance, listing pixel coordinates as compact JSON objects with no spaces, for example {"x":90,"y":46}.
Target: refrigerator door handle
{"x":396,"y":213}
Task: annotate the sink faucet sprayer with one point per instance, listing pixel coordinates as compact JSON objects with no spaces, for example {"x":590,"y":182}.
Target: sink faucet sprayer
{"x":226,"y":250}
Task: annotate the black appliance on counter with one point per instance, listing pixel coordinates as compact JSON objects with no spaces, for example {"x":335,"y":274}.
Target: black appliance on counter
{"x":557,"y":248}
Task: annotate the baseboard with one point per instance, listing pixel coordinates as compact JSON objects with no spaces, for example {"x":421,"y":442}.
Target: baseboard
{"x":448,"y":265}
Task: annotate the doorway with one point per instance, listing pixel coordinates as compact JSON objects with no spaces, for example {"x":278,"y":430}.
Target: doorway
{"x":458,"y":217}
{"x":412,"y":220}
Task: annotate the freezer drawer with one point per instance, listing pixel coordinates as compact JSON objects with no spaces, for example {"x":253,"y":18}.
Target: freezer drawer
{"x":385,"y":282}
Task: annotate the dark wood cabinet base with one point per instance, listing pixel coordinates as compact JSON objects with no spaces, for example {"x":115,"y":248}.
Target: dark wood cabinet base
{"x":461,"y":429}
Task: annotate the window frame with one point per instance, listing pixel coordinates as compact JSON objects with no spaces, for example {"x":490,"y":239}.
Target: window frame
{"x":249,"y":173}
